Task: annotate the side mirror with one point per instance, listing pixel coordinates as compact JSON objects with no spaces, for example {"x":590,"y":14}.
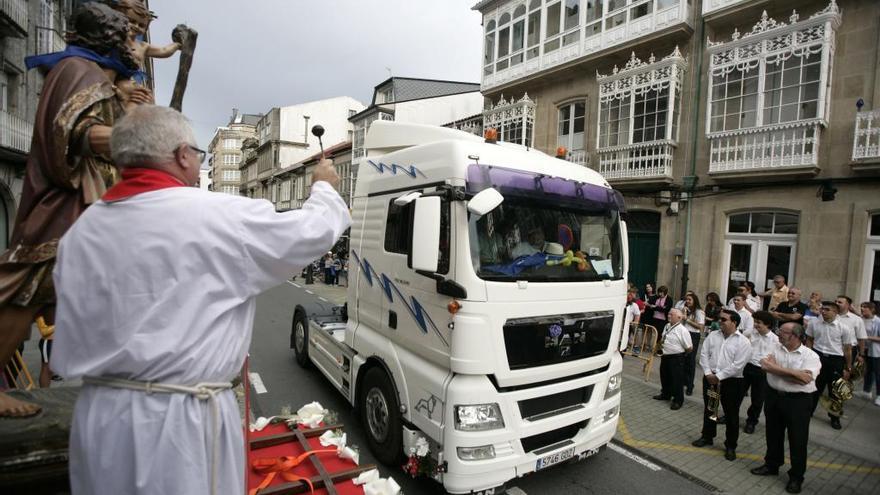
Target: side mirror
{"x":426,"y":234}
{"x":485,"y":201}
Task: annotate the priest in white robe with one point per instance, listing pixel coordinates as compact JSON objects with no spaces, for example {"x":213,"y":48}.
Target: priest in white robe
{"x":156,"y":295}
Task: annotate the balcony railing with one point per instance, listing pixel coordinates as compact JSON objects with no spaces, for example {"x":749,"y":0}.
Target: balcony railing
{"x":777,"y":148}
{"x":15,"y":132}
{"x":643,"y":161}
{"x":712,"y":6}
{"x":14,"y":17}
{"x":596,"y":36}
{"x":866,"y":141}
{"x":581,"y":157}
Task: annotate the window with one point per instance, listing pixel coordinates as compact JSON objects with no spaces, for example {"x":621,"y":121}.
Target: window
{"x":231,"y":175}
{"x":511,"y":38}
{"x":758,"y":246}
{"x":533,"y":36}
{"x":231,"y":159}
{"x":763,"y":223}
{"x":489,"y":49}
{"x":791,"y":89}
{"x":5,"y":88}
{"x":614,"y":122}
{"x":399,"y":227}
{"x":233,"y":190}
{"x":594,"y":16}
{"x":514,"y":120}
{"x":649,"y":115}
{"x":554,"y":16}
{"x":231,"y":144}
{"x":571,"y":19}
{"x":352,"y":113}
{"x":571,"y":126}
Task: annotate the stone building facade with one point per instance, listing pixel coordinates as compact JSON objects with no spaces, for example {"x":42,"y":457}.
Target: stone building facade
{"x":226,"y":154}
{"x":741,"y":132}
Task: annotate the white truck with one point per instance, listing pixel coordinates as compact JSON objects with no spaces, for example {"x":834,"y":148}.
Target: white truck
{"x":487,"y":283}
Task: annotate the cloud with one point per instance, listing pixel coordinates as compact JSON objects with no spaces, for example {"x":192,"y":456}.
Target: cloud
{"x":257,"y":54}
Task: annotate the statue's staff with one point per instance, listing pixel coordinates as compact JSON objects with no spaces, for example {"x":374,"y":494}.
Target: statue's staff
{"x":186,"y":37}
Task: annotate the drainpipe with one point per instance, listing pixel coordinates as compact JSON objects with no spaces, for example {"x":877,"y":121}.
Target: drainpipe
{"x":690,"y":182}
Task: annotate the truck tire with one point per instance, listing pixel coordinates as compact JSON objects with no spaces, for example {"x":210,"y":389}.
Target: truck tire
{"x":380,"y":415}
{"x":299,"y":339}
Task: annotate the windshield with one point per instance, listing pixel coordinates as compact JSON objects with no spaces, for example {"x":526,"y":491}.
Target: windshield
{"x":522,"y":240}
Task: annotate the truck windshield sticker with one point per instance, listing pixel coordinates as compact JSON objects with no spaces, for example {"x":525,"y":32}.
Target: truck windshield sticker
{"x":411,"y":171}
{"x":415,"y":309}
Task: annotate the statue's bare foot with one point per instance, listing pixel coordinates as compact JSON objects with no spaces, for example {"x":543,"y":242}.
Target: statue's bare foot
{"x":11,"y":407}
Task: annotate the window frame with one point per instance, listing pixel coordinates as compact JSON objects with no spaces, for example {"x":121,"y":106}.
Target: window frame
{"x":399,"y":229}
{"x":571,"y":105}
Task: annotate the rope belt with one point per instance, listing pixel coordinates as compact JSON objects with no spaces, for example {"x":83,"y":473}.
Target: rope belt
{"x":202,"y":391}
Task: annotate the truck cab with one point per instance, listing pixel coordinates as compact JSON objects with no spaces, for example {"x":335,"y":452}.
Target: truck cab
{"x":484,"y":311}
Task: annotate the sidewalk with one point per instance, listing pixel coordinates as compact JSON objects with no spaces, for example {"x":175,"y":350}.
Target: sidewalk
{"x":839,"y":461}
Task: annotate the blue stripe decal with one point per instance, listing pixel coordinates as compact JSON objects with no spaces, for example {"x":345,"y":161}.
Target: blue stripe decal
{"x":415,"y":309}
{"x":411,"y":171}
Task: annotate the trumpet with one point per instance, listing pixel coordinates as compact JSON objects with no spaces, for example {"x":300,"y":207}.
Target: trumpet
{"x":842,"y":391}
{"x":713,"y":398}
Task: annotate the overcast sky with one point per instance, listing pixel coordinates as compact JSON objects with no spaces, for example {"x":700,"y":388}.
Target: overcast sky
{"x":257,"y":54}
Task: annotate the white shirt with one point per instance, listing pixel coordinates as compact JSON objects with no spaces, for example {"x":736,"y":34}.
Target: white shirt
{"x":699,"y":316}
{"x":829,"y":338}
{"x":746,"y":322}
{"x":800,"y":359}
{"x":162,"y":286}
{"x":676,"y":339}
{"x":725,"y":357}
{"x":762,"y":345}
{"x":872,"y":329}
{"x":751,"y":301}
{"x":856,"y":324}
{"x":632,"y":312}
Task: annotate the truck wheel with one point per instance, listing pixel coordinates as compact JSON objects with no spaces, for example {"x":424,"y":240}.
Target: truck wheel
{"x":300,"y":339}
{"x":380,"y":415}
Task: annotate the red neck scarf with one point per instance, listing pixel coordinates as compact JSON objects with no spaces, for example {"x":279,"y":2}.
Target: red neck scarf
{"x":140,"y":180}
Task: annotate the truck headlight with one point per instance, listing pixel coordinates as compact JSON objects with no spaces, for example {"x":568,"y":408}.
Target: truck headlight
{"x":478,"y":417}
{"x":476,"y":453}
{"x":613,"y":385}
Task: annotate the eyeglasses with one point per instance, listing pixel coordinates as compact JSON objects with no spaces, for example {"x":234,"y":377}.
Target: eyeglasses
{"x":199,"y":152}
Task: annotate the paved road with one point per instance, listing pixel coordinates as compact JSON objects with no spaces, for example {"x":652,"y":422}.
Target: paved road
{"x":610,"y":472}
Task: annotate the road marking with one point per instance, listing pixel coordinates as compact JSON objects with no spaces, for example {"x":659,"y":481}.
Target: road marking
{"x":626,"y":453}
{"x":630,"y":441}
{"x":321,"y":298}
{"x":294,"y":284}
{"x":309,"y":292}
{"x":257,"y":382}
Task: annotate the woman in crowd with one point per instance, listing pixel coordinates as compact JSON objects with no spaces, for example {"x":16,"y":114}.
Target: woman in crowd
{"x":713,"y":308}
{"x":695,"y":322}
{"x":659,"y":308}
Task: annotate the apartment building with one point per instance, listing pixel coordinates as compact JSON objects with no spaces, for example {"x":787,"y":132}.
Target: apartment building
{"x":225,"y":149}
{"x":291,"y":186}
{"x":742,"y":132}
{"x":284,"y":138}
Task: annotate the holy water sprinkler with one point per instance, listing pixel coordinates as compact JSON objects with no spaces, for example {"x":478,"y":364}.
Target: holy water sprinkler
{"x":318,"y":131}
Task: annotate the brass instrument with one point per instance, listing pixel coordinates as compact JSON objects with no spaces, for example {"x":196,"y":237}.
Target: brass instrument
{"x":842,"y":391}
{"x":713,"y":401}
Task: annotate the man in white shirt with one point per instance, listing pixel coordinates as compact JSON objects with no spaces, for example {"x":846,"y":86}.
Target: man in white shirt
{"x":832,"y":340}
{"x":723,"y":357}
{"x":872,"y":360}
{"x":752,"y":302}
{"x":848,"y":316}
{"x":791,"y":369}
{"x":778,"y":293}
{"x":676,"y":343}
{"x":763,"y":340}
{"x":157,"y":286}
{"x":747,"y":323}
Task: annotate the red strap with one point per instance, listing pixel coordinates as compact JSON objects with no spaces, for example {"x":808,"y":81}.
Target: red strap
{"x":140,"y":180}
{"x":270,"y":466}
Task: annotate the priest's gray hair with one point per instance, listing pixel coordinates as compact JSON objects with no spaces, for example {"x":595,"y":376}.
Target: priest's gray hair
{"x":149,"y":135}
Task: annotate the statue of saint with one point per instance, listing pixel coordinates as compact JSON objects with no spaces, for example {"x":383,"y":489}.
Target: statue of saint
{"x":68,"y":168}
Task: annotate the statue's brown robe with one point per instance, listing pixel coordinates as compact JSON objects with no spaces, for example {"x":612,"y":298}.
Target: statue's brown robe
{"x":63,"y":177}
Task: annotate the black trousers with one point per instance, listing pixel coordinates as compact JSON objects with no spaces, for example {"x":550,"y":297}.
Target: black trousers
{"x":731,"y":398}
{"x":754,"y":378}
{"x":672,"y":377}
{"x":788,"y":412}
{"x":690,"y":362}
{"x":832,"y":369}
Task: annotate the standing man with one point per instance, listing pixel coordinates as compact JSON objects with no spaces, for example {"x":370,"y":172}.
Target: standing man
{"x":746,"y":322}
{"x":676,"y":343}
{"x":848,"y":316}
{"x":156,"y":305}
{"x":872,"y":360}
{"x":723,"y":358}
{"x":791,"y":369}
{"x":832,"y":341}
{"x":68,"y":168}
{"x":792,"y":310}
{"x":763,"y":341}
{"x":778,"y":293}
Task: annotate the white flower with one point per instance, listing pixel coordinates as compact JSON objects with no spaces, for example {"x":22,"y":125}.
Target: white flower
{"x":375,"y":485}
{"x":260,"y":423}
{"x":311,"y":415}
{"x":348,"y":453}
{"x":421,"y":447}
{"x":332,"y":437}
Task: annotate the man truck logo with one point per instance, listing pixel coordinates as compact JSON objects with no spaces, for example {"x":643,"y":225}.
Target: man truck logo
{"x":411,"y":171}
{"x":555,"y":330}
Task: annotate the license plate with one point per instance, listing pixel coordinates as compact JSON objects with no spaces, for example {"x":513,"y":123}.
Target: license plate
{"x":555,"y":458}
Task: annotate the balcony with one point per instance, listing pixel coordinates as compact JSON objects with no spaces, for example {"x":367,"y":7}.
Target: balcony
{"x":13,"y":18}
{"x":636,"y":20}
{"x":581,"y":157}
{"x":713,"y":6}
{"x":866,"y":140}
{"x":49,"y":41}
{"x":15,"y":132}
{"x":771,"y":150}
{"x":642,"y":162}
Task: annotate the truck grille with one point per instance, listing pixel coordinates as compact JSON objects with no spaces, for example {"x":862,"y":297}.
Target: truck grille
{"x":551,"y":437}
{"x":556,"y":339}
{"x":552,"y":405}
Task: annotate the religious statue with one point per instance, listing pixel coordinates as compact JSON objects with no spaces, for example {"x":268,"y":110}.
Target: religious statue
{"x":68,"y":169}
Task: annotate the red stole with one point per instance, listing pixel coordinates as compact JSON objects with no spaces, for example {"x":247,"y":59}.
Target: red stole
{"x":140,"y":180}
